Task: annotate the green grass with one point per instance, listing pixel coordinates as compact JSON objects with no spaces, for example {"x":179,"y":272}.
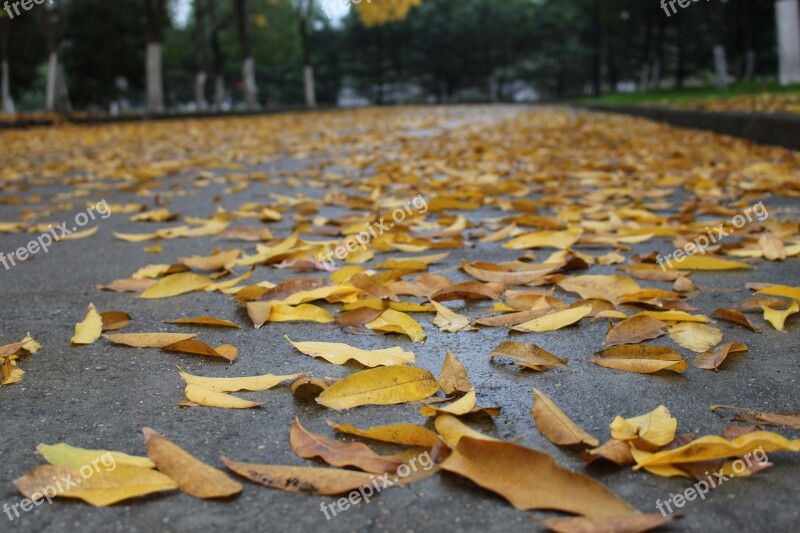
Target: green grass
{"x":672,"y":97}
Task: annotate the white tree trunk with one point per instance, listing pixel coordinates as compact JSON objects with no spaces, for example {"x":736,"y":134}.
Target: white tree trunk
{"x":250,"y":89}
{"x":787,"y":14}
{"x":308,"y":79}
{"x":52,"y":74}
{"x":155,"y":87}
{"x":5,"y":92}
{"x":720,"y":67}
{"x":219,"y":92}
{"x":200,"y":91}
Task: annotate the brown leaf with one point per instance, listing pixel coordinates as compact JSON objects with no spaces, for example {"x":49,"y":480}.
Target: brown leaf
{"x":640,"y":359}
{"x":336,"y":453}
{"x":736,"y":316}
{"x":616,"y":451}
{"x":302,"y":479}
{"x":762,"y":418}
{"x":530,"y":479}
{"x":635,"y":330}
{"x":114,"y":320}
{"x":193,"y":476}
{"x":453,"y":377}
{"x":528,"y":355}
{"x":713,"y":359}
{"x":469,"y":290}
{"x":195,"y":347}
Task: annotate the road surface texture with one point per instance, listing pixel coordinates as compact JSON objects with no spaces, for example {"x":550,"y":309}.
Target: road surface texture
{"x":101,"y":395}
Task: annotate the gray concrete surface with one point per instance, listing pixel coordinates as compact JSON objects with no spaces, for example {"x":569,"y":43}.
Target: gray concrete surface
{"x":100,"y":396}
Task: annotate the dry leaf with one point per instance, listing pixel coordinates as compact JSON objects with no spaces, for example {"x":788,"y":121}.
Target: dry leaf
{"x":391,"y":321}
{"x":761,"y":417}
{"x":255,"y":383}
{"x":448,"y":320}
{"x":694,"y":336}
{"x":310,"y":445}
{"x":656,"y":427}
{"x":149,"y":340}
{"x":90,"y":329}
{"x":210,"y":398}
{"x":607,"y":524}
{"x":555,"y":425}
{"x":115,"y":320}
{"x":530,"y":479}
{"x":175,"y":285}
{"x":453,"y":378}
{"x":203,"y":321}
{"x":385,"y":385}
{"x":528,"y":355}
{"x":635,"y":330}
{"x":408,"y":434}
{"x":193,"y":476}
{"x":339,"y":353}
{"x":713,"y":359}
{"x":640,"y":359}
{"x":736,"y":316}
{"x":778,"y":318}
{"x":555,"y":321}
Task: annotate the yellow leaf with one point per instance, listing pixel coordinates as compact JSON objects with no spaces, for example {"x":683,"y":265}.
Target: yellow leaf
{"x":90,"y":329}
{"x":62,"y":454}
{"x":175,"y":285}
{"x":203,"y":321}
{"x":712,"y":447}
{"x":782,"y":290}
{"x":448,"y":320}
{"x":528,"y":355}
{"x":640,"y":359}
{"x":600,"y":287}
{"x":339,"y":353}
{"x":696,"y":262}
{"x":148,"y":340}
{"x":545,"y":239}
{"x":385,"y":385}
{"x":255,"y":383}
{"x":778,"y":318}
{"x":554,"y":321}
{"x":452,"y":430}
{"x":408,"y":434}
{"x":459,"y":407}
{"x":302,"y":312}
{"x":555,"y":425}
{"x":694,"y":336}
{"x":656,"y":427}
{"x":104,"y":487}
{"x":193,"y":476}
{"x":211,"y":398}
{"x":392,"y":321}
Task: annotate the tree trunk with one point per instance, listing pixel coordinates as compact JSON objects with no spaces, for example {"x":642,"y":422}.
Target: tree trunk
{"x":494,"y":93}
{"x":154,"y":10}
{"x":720,"y":59}
{"x":248,"y":63}
{"x":6,"y":102}
{"x":218,"y":57}
{"x":52,"y":75}
{"x":750,"y":64}
{"x":680,"y":69}
{"x":200,"y":91}
{"x":304,"y":12}
{"x":155,"y":87}
{"x":308,"y":81}
{"x":787,"y":16}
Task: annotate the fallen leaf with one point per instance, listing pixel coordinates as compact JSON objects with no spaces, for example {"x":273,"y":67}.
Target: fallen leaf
{"x":175,"y":285}
{"x":453,"y":378}
{"x":656,"y":427}
{"x":713,"y":359}
{"x":385,"y":385}
{"x":339,"y":353}
{"x":105,"y":487}
{"x":694,"y":336}
{"x":528,"y":355}
{"x":310,"y":445}
{"x":115,"y":320}
{"x":254,"y":383}
{"x":778,"y":318}
{"x":62,"y":454}
{"x":452,"y":430}
{"x":607,"y":524}
{"x":90,"y":329}
{"x":149,"y":340}
{"x":763,"y":418}
{"x":211,"y":398}
{"x":448,"y":320}
{"x":196,"y":347}
{"x":555,"y":321}
{"x":634,"y":330}
{"x":203,"y":321}
{"x":302,"y":479}
{"x":736,"y":316}
{"x":530,"y":479}
{"x":193,"y":476}
{"x":408,"y":434}
{"x":391,"y":321}
{"x":555,"y":425}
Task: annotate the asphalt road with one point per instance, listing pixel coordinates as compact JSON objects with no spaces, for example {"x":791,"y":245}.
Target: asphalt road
{"x":100,"y":396}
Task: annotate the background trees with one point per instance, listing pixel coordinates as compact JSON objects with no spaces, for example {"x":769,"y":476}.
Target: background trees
{"x":138,"y":54}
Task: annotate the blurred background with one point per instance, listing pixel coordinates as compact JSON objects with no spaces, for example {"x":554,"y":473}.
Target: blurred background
{"x":182,"y":56}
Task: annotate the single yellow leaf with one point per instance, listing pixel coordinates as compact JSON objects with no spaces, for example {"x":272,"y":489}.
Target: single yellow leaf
{"x":555,"y":425}
{"x":255,"y":383}
{"x":778,"y":318}
{"x":90,"y":329}
{"x":392,"y":321}
{"x":339,"y":353}
{"x":408,"y":434}
{"x":175,"y":285}
{"x":211,"y":398}
{"x":193,"y":476}
{"x":694,"y":336}
{"x":148,"y":340}
{"x":555,"y":320}
{"x":656,"y":427}
{"x":384,"y":385}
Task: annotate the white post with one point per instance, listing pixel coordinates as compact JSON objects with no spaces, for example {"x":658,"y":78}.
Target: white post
{"x":311,"y":94}
{"x":155,"y":87}
{"x":787,"y":16}
{"x":52,"y":73}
